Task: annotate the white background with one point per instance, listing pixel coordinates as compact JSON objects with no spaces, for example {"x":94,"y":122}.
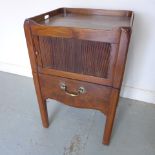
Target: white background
{"x":139,"y":79}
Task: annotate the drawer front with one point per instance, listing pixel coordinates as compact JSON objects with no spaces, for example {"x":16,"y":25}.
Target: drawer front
{"x":75,"y":93}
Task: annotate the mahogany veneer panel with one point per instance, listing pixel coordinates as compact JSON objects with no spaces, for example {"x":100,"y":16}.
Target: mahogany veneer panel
{"x":96,"y":96}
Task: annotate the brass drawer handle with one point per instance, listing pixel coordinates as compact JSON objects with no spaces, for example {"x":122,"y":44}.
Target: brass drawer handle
{"x":81,"y":90}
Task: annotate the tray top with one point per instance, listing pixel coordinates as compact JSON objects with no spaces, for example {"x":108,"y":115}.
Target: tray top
{"x":86,"y":18}
{"x":87,"y":21}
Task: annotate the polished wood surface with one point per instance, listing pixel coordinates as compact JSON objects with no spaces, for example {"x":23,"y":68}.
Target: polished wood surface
{"x":78,"y":57}
{"x":95,"y":97}
{"x":110,"y":36}
{"x":87,"y":21}
{"x":119,"y":16}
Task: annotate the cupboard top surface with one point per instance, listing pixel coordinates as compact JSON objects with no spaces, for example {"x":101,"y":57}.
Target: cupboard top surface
{"x":86,"y":18}
{"x":87,"y":21}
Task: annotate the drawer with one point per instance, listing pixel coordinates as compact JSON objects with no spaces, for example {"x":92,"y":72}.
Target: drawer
{"x":75,"y":93}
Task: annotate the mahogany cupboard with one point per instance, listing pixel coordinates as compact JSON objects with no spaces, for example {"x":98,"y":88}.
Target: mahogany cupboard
{"x":78,"y":58}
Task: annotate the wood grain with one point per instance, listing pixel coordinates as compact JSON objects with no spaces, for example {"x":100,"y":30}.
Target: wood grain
{"x":96,"y":96}
{"x":77,"y":56}
{"x":101,"y":35}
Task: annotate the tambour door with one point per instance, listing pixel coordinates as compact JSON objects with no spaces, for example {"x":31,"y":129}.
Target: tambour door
{"x":83,"y":57}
